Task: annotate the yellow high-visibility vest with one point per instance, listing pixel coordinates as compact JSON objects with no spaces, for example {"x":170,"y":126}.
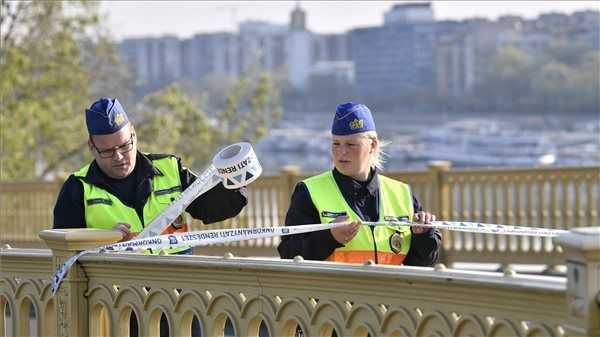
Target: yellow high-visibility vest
{"x":395,"y":203}
{"x":104,"y":210}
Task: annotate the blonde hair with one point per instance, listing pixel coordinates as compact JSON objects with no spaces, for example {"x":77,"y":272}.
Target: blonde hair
{"x":379,"y":156}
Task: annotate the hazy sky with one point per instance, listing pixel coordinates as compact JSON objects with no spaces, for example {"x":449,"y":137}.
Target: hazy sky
{"x":185,"y":18}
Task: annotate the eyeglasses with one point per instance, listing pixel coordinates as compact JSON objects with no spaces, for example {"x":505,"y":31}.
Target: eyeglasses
{"x":124,"y":148}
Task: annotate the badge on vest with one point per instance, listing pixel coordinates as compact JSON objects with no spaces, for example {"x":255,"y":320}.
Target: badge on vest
{"x":403,"y":218}
{"x":330,"y":214}
{"x":396,"y":243}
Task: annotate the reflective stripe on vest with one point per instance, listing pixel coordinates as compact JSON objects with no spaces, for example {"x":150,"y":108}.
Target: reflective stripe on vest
{"x":391,"y":243}
{"x":104,"y":210}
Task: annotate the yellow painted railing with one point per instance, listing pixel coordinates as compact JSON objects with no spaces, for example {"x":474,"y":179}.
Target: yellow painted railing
{"x":547,"y":197}
{"x":553,"y":198}
{"x":25,"y":210}
{"x":271,"y":297}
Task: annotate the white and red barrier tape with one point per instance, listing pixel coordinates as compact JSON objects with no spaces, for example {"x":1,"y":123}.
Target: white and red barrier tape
{"x":208,"y":237}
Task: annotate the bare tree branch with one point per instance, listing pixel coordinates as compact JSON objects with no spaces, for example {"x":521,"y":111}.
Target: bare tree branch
{"x":14,"y":17}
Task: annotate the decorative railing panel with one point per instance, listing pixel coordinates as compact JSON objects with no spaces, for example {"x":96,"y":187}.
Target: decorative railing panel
{"x":565,"y":199}
{"x":320,"y":297}
{"x":27,"y":307}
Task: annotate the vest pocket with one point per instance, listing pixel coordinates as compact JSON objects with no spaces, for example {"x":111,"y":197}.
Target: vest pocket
{"x":167,"y":195}
{"x":167,"y":190}
{"x":166,"y":198}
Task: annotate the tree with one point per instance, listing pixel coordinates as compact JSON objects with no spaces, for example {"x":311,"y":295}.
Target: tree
{"x":171,"y":122}
{"x":56,"y":59}
{"x":587,"y":83}
{"x":46,"y":84}
{"x":506,"y":82}
{"x":567,"y":52}
{"x":553,"y":86}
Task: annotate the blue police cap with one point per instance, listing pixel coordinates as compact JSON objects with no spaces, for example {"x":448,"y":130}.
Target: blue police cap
{"x":351,"y":118}
{"x":105,"y":116}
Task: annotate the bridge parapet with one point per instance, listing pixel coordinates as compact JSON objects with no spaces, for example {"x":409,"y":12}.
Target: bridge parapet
{"x":272,"y":297}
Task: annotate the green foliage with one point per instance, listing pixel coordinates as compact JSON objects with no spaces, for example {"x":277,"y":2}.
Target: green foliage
{"x":504,"y":78}
{"x":252,"y":107}
{"x":55,"y":59}
{"x":567,"y":52}
{"x":587,"y":81}
{"x":556,"y":82}
{"x":563,"y":79}
{"x":45,"y":85}
{"x":171,"y":121}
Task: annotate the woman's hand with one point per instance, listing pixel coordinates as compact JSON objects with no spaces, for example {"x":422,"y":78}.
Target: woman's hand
{"x":422,"y":217}
{"x":346,"y":233}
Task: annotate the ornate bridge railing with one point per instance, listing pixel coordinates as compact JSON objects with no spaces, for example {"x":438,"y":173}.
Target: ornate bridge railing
{"x":270,"y":297}
{"x":545,"y":197}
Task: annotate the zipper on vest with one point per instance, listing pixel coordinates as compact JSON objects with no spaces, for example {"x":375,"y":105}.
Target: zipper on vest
{"x":374,"y":243}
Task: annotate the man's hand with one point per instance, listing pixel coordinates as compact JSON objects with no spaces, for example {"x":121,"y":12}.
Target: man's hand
{"x":124,"y":229}
{"x":346,"y":233}
{"x":422,"y":217}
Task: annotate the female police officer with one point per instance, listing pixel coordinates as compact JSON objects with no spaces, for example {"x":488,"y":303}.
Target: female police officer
{"x":356,"y":191}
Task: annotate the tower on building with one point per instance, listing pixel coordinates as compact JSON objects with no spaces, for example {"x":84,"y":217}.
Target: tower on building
{"x":299,"y":51}
{"x":298,"y":19}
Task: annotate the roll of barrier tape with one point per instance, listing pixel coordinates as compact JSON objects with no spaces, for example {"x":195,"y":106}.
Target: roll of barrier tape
{"x":237,"y":165}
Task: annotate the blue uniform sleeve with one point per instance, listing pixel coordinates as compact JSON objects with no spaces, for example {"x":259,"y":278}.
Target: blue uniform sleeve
{"x":217,"y":204}
{"x":68,"y":210}
{"x":311,"y":246}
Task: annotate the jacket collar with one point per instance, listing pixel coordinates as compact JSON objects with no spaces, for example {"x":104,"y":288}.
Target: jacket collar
{"x":348,"y":183}
{"x":143,"y":167}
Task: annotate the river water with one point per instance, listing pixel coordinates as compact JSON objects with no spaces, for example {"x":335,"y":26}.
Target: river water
{"x":467,"y":140}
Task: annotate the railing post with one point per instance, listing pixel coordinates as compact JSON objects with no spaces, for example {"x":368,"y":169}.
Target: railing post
{"x":288,"y":175}
{"x":440,"y":190}
{"x":440,"y":194}
{"x":582,"y":251}
{"x":70,"y":301}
